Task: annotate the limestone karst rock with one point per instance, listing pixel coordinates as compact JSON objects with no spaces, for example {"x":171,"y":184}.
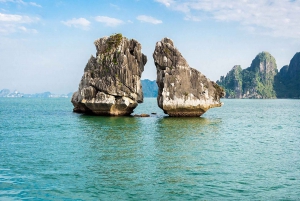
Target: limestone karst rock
{"x":111,"y":83}
{"x":255,"y":81}
{"x":287,"y":82}
{"x":183,"y":91}
{"x":233,"y":82}
{"x":258,"y":79}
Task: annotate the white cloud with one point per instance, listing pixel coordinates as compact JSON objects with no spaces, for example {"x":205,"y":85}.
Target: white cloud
{"x":267,"y":17}
{"x":35,"y":4}
{"x":77,"y":23}
{"x":26,"y":30}
{"x":165,"y":2}
{"x":5,"y":1}
{"x":21,"y":2}
{"x":149,"y":19}
{"x":17,"y":18}
{"x":115,"y":6}
{"x":109,"y":21}
{"x":13,"y":23}
{"x":10,"y":18}
{"x":192,"y":18}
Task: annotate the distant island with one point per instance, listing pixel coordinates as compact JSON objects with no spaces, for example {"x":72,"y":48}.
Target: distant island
{"x":150,"y":89}
{"x":262,"y":80}
{"x":259,"y":81}
{"x":16,"y":94}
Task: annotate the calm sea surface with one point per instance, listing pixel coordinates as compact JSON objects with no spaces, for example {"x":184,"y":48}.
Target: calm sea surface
{"x":245,"y":150}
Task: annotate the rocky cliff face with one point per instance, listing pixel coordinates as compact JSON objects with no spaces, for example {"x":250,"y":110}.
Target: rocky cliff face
{"x":255,"y":82}
{"x":233,"y":81}
{"x":287,"y":82}
{"x":111,"y":83}
{"x":183,"y":91}
{"x":259,"y":77}
{"x":294,"y":67}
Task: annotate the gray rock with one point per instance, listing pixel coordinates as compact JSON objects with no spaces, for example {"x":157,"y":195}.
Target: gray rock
{"x":111,"y":83}
{"x":183,"y":91}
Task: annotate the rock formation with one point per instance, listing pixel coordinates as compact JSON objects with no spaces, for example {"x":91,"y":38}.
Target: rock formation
{"x":287,"y":82}
{"x":259,"y":77}
{"x":294,"y":67}
{"x":150,"y":88}
{"x":111,"y":82}
{"x":233,"y":82}
{"x":183,"y":91}
{"x":255,"y":81}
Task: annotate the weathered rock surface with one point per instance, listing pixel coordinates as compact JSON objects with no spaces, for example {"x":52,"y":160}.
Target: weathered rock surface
{"x":183,"y":91}
{"x":111,"y":83}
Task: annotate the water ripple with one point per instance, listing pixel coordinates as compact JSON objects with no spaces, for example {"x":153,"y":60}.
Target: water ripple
{"x":245,"y":150}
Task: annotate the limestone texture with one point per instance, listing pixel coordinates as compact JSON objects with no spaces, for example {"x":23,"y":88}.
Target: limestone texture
{"x":111,"y":83}
{"x":182,"y":90}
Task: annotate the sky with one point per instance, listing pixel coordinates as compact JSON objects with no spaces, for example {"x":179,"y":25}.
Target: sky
{"x":45,"y":45}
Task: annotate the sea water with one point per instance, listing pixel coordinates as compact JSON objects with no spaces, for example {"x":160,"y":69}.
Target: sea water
{"x":245,"y":150}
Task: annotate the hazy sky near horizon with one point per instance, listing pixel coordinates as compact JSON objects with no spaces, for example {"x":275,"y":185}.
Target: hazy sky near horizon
{"x":45,"y":45}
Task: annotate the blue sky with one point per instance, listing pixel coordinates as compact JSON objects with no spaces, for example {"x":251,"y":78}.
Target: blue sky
{"x":45,"y":45}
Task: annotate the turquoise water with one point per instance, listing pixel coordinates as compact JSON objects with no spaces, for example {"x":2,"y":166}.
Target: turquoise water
{"x":245,"y":150}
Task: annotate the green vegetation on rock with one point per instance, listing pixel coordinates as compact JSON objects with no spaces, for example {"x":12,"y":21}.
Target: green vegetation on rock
{"x":114,"y":41}
{"x":253,"y":82}
{"x":262,"y":79}
{"x":232,"y":82}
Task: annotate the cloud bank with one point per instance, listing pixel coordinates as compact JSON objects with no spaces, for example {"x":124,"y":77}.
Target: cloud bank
{"x":15,"y":23}
{"x":266,"y":17}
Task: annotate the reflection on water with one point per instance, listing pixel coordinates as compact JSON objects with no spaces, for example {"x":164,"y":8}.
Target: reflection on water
{"x":155,"y":154}
{"x":188,"y":125}
{"x":182,"y":145}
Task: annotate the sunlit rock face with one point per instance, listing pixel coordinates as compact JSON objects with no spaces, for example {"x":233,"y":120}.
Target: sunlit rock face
{"x":111,"y":83}
{"x":183,"y":91}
